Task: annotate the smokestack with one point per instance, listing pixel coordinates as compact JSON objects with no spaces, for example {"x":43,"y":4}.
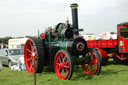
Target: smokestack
{"x":74,"y":7}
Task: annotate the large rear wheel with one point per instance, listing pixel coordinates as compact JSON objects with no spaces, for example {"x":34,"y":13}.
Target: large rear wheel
{"x":63,"y":65}
{"x":34,"y":48}
{"x":94,"y":66}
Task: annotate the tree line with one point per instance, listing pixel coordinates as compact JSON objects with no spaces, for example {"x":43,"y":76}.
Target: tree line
{"x":5,"y":40}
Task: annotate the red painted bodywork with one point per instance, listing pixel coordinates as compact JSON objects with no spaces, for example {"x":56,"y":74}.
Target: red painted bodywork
{"x":42,"y":36}
{"x":111,"y":43}
{"x":123,"y":42}
{"x":101,"y":44}
{"x":120,"y":45}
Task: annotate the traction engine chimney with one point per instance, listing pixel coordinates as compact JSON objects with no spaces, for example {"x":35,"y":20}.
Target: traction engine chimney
{"x":74,"y":7}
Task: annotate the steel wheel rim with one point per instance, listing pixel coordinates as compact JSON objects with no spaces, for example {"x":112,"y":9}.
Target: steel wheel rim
{"x":92,"y":67}
{"x":62,"y":65}
{"x":29,"y":52}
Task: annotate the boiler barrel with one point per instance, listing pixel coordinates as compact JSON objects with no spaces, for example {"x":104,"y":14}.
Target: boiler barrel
{"x":74,"y":47}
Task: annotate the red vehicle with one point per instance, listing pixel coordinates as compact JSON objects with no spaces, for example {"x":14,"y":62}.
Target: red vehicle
{"x":116,"y":48}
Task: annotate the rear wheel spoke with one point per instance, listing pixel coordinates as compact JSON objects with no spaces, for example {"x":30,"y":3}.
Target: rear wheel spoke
{"x":29,"y":59}
{"x":29,"y":51}
{"x":66,"y":70}
{"x":61,"y":56}
{"x":59,"y":60}
{"x":64,"y":59}
{"x":58,"y":64}
{"x":31,"y":67}
{"x":31,"y":46}
{"x":35,"y":57}
{"x":33,"y":49}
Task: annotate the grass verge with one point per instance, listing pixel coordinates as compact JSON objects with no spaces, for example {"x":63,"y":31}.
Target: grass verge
{"x":110,"y":75}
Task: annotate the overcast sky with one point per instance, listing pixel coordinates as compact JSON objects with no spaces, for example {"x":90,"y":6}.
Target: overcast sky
{"x":25,"y":17}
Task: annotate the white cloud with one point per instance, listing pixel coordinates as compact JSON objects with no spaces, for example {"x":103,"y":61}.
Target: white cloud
{"x":31,"y":15}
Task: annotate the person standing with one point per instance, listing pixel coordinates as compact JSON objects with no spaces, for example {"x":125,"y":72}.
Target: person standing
{"x":1,"y":65}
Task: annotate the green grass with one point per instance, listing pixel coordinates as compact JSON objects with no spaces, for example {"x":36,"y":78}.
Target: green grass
{"x":110,"y":75}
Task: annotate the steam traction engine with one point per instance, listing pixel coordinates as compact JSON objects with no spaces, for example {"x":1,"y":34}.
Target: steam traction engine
{"x":62,"y":47}
{"x":115,"y":48}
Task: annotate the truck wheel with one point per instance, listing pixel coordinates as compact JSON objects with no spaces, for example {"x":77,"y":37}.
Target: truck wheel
{"x":94,"y":66}
{"x":34,"y":47}
{"x":63,"y":65}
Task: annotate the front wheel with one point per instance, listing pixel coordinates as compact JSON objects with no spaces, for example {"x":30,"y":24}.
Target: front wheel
{"x":94,"y":66}
{"x":63,"y":65}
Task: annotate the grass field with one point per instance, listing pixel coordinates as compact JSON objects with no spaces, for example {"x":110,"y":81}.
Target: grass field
{"x":110,"y":75}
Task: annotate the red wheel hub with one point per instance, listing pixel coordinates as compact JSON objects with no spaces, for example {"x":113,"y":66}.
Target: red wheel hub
{"x":62,"y":65}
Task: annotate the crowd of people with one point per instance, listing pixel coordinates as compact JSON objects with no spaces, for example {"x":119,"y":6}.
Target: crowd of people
{"x":3,"y":46}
